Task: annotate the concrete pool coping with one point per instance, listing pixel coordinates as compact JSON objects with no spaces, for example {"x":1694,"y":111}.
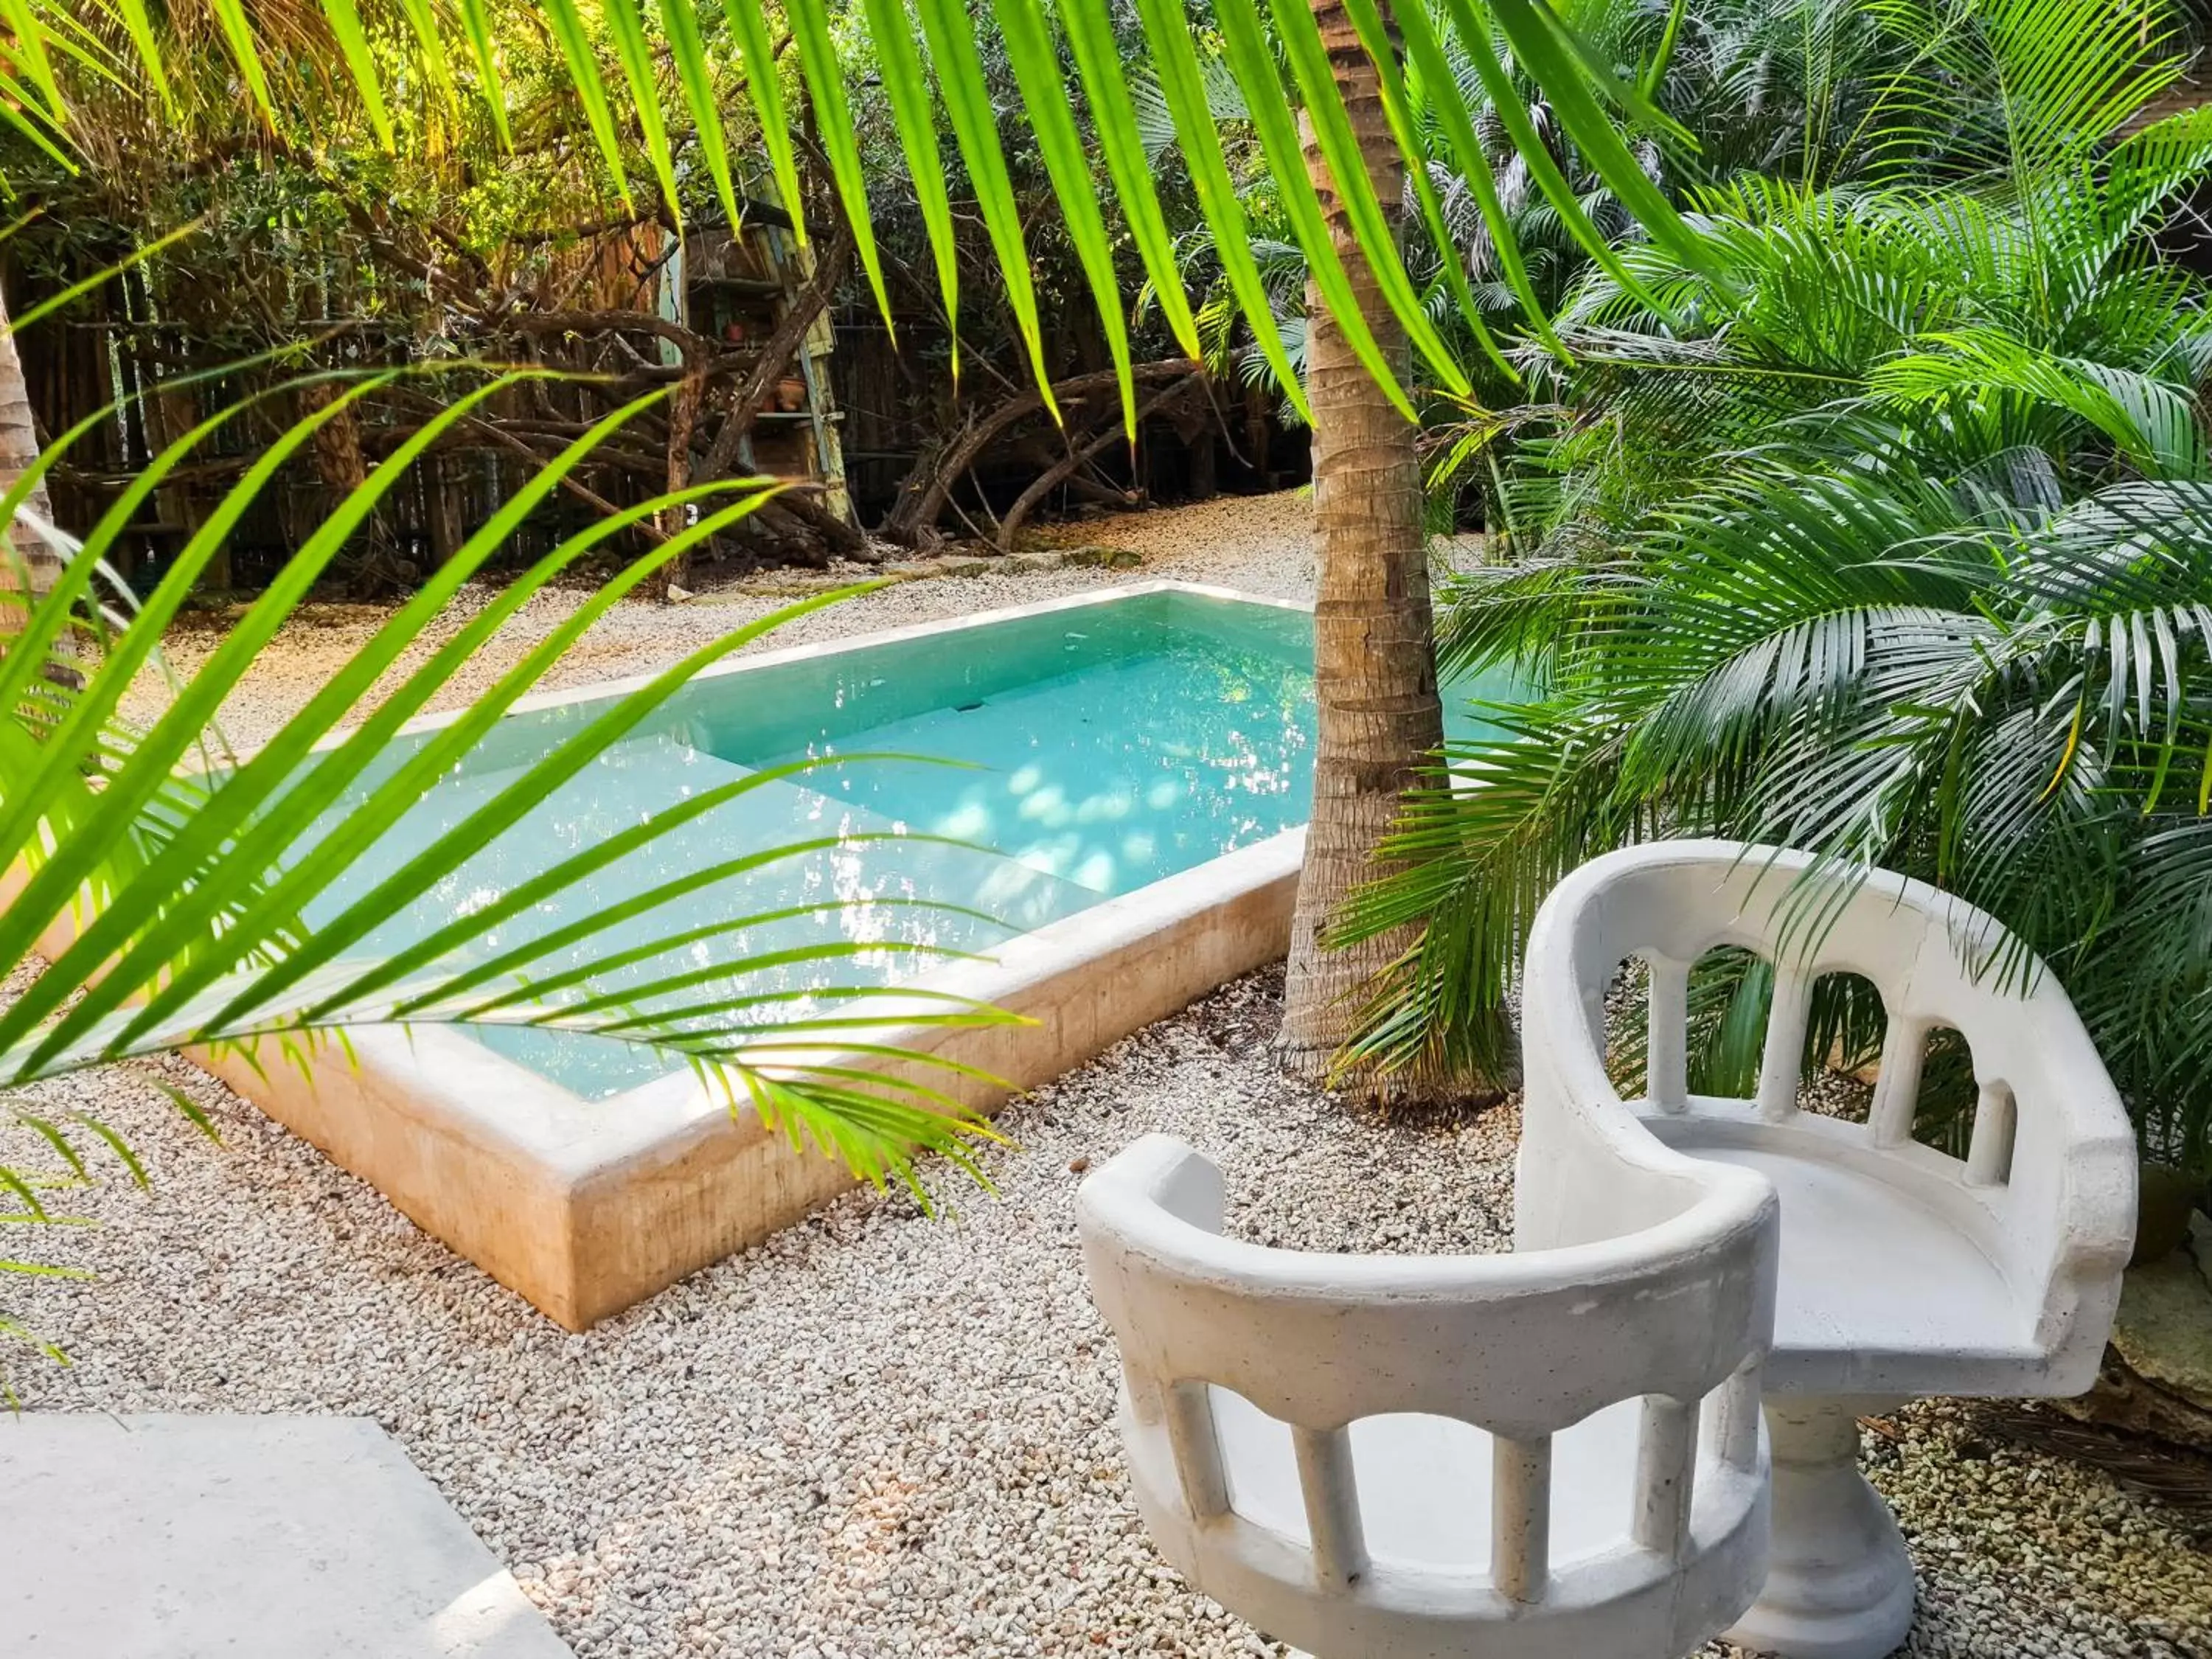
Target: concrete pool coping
{"x":586,"y":1207}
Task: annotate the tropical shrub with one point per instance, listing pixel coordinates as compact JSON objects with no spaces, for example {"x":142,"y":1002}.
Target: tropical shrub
{"x":1882,"y":531}
{"x":1895,"y":669}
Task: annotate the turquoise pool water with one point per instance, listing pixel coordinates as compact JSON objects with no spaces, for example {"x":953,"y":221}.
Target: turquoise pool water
{"x":1098,"y":749}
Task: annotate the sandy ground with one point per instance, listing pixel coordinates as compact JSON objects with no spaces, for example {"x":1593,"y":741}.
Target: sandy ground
{"x":1261,"y":544}
{"x":881,"y":1434}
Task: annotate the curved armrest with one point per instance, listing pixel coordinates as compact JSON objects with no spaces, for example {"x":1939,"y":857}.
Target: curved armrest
{"x":1521,"y":1344}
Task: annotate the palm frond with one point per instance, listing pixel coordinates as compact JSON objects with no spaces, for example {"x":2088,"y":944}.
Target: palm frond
{"x":195,"y":898}
{"x":633,"y":111}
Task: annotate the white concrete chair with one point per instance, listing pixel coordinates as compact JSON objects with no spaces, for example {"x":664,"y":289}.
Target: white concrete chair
{"x":1904,"y":1271}
{"x":1554,"y":1453}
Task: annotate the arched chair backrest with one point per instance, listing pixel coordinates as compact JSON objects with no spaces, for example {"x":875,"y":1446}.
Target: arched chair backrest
{"x":2046,"y":1192}
{"x":1522,"y":1347}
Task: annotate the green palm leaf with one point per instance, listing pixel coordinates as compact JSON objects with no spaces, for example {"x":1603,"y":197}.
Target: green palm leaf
{"x":613,"y":56}
{"x":212,"y":944}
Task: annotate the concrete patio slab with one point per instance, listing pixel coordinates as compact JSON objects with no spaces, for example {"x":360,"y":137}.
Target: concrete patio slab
{"x":188,"y":1537}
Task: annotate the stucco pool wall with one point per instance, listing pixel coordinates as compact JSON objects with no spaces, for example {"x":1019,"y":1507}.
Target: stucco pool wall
{"x":587,"y":1207}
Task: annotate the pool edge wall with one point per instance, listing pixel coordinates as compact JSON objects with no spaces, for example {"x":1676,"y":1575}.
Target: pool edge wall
{"x":696,"y":1183}
{"x":585,"y":1208}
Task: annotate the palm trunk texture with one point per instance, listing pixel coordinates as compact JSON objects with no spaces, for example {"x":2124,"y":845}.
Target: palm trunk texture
{"x":19,"y":450}
{"x":27,"y":557}
{"x":1373,"y":648}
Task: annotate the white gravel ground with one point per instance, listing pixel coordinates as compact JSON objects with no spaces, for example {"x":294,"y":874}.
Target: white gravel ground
{"x":880,"y":1434}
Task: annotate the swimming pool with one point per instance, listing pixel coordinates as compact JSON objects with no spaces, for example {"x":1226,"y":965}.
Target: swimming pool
{"x":1135,"y":763}
{"x":1087,"y":751}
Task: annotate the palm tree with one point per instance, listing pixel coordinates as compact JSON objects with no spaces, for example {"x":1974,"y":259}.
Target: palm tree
{"x":1378,"y":716}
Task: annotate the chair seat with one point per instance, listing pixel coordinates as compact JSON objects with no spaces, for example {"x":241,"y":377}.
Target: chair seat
{"x":1856,"y":1314}
{"x":1425,"y":1483}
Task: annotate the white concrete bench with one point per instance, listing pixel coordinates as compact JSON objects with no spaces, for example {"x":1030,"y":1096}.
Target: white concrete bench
{"x":1904,"y":1271}
{"x":1549,"y":1453}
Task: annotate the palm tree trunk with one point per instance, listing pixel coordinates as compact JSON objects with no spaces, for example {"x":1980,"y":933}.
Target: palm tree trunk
{"x":1374,"y":650}
{"x":28,"y":557}
{"x":19,"y":451}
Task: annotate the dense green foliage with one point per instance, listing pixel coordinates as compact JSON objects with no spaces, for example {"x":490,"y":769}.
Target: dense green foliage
{"x":666,"y":100}
{"x":1878,"y":528}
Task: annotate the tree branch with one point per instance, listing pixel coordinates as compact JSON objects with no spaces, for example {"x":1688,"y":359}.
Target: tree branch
{"x":922,"y":498}
{"x":1026,"y":502}
{"x":569,"y":480}
{"x":694,"y":347}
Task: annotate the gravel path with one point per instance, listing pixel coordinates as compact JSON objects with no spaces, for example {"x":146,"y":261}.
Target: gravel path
{"x":879,"y":1434}
{"x":876,"y":1434}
